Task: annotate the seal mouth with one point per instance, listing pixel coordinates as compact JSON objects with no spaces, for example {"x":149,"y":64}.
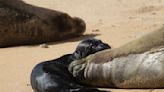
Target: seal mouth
{"x":80,"y":24}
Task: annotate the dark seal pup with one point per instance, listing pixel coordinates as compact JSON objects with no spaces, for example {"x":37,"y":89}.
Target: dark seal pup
{"x":53,"y":76}
{"x":24,"y":24}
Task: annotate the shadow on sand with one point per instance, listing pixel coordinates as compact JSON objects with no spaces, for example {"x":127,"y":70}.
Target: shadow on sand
{"x":82,"y":37}
{"x":75,"y":39}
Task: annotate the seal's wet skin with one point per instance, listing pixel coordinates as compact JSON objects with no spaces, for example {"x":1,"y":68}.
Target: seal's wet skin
{"x":53,"y":76}
{"x":24,"y":24}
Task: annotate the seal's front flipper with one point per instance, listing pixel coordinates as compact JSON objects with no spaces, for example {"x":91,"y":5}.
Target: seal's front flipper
{"x":77,"y":66}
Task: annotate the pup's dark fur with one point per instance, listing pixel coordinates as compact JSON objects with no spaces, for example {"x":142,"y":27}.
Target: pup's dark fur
{"x":53,"y":76}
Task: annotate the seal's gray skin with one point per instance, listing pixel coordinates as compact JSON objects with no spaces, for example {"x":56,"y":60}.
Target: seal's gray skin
{"x":23,"y":24}
{"x":53,"y":76}
{"x":138,"y":64}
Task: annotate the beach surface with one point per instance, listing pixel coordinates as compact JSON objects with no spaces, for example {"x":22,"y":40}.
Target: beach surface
{"x":115,"y":22}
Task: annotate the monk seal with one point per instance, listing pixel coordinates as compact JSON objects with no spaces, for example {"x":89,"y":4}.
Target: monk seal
{"x":24,"y":24}
{"x":137,"y":64}
{"x":53,"y":75}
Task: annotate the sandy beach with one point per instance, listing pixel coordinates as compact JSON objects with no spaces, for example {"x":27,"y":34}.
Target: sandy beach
{"x":115,"y":22}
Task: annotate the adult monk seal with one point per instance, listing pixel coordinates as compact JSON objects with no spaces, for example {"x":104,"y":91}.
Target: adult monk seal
{"x":53,"y":76}
{"x":22,"y":24}
{"x":138,"y":64}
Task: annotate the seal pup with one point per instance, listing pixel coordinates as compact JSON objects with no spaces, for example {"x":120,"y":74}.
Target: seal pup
{"x":24,"y":24}
{"x":53,"y":76}
{"x":137,"y":64}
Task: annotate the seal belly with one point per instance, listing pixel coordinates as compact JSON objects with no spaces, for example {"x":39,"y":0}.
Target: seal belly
{"x":145,"y":70}
{"x":139,"y":70}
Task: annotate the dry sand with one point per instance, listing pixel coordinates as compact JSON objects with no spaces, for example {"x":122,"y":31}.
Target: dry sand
{"x":113,"y":21}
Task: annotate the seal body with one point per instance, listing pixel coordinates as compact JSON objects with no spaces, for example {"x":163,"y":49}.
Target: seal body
{"x":23,"y":24}
{"x":137,"y":64}
{"x":144,"y":70}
